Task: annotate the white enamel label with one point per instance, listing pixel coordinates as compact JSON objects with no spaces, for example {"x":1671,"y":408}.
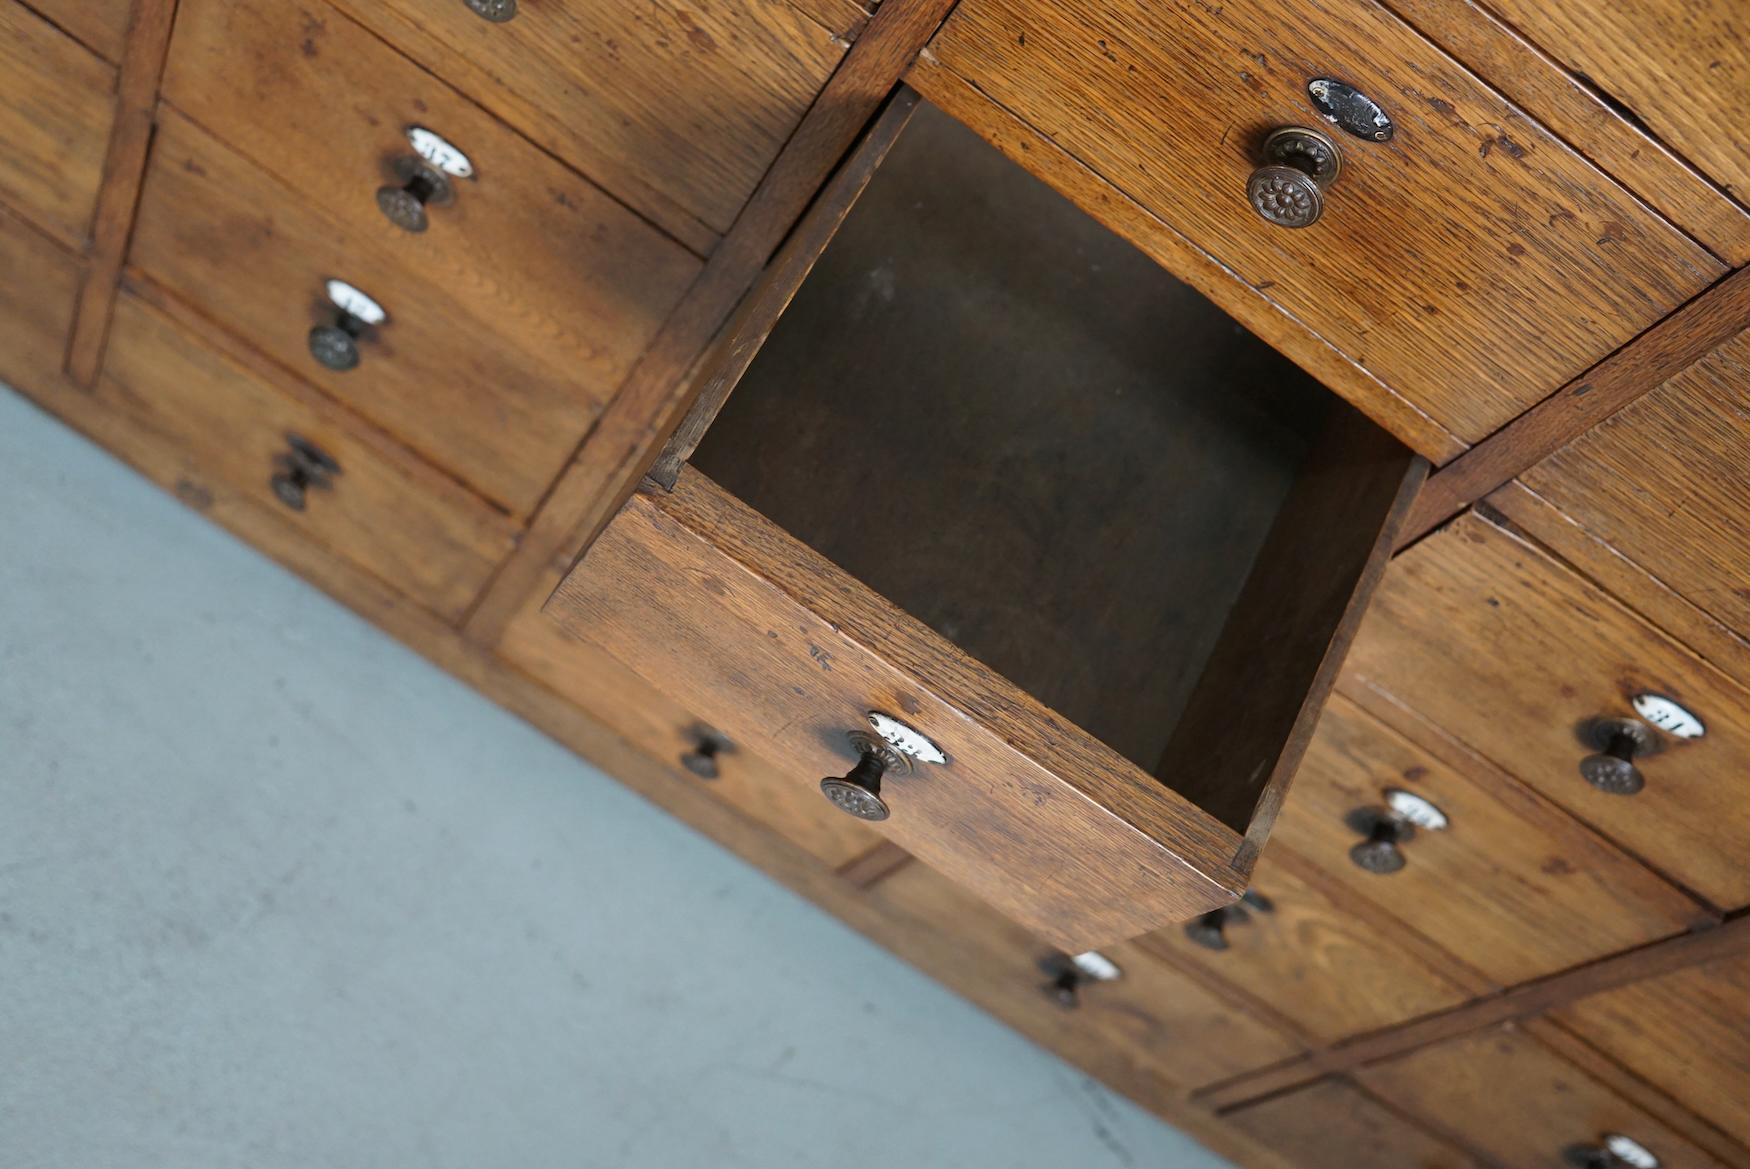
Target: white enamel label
{"x":1097,"y":966}
{"x":1668,"y":716}
{"x":435,"y":150}
{"x":1418,"y":811}
{"x":350,"y":300}
{"x":1630,"y":1152}
{"x":904,"y":739}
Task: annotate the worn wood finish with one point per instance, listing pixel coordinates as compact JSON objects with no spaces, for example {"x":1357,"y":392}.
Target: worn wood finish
{"x":631,"y":432}
{"x":99,"y":25}
{"x":124,"y":169}
{"x":1518,"y":1104}
{"x":1487,"y":636}
{"x":876,"y":865}
{"x":679,"y":109}
{"x":779,"y":648}
{"x":1684,"y":69}
{"x":1662,"y":353}
{"x":591,"y":680}
{"x":56,"y":101}
{"x":38,"y":285}
{"x":384,"y":511}
{"x":845,"y":18}
{"x":1611,"y":138}
{"x":1514,"y":886}
{"x":1474,"y":263}
{"x":1333,"y":1124}
{"x":1154,"y":1029}
{"x":241,"y":248}
{"x":1685,"y":1032}
{"x":1326,"y":972}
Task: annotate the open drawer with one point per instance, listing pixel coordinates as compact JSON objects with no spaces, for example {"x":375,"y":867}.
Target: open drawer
{"x":1044,"y":562}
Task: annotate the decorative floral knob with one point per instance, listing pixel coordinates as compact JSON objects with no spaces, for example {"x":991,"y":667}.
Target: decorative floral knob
{"x":303,"y":465}
{"x":1210,"y":930}
{"x":497,"y":11}
{"x":1289,"y":188}
{"x":422,"y":185}
{"x":708,"y":744}
{"x":858,"y":793}
{"x":1616,"y":742}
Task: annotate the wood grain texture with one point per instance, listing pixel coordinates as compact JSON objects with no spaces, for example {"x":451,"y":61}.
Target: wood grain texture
{"x":1333,"y":1124}
{"x":56,"y":101}
{"x":384,"y":512}
{"x":786,"y":653}
{"x":588,"y":678}
{"x":1581,"y":116}
{"x":99,"y":25}
{"x":677,"y":108}
{"x":655,"y":396}
{"x":38,"y":286}
{"x":124,"y":169}
{"x":1474,"y":263}
{"x":1684,"y":69}
{"x":1154,"y":1028}
{"x":1662,"y":353}
{"x":1488,"y":637}
{"x":550,"y":265}
{"x":243,"y":249}
{"x":1515,"y":887}
{"x":1685,"y":1032}
{"x":1518,"y":1104}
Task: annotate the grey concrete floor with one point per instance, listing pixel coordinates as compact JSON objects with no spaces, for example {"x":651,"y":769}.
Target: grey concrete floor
{"x":277,"y":894}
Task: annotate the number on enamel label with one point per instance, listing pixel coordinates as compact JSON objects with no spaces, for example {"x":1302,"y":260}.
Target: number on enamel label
{"x":1665,"y":714}
{"x":351,"y":301}
{"x":1418,"y":811}
{"x":435,"y":150}
{"x":905,"y":739}
{"x":1097,"y":966}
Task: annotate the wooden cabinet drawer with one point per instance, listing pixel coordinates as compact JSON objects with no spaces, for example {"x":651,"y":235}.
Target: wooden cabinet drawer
{"x":100,"y":25}
{"x":371,"y":503}
{"x":38,"y":286}
{"x":678,"y":109}
{"x":1490,"y":638}
{"x":1334,"y":1125}
{"x":1519,"y":1105}
{"x":1330,"y":972}
{"x":933,"y":498}
{"x":1472,"y":264}
{"x":56,"y":106}
{"x":1150,"y":1027}
{"x":664,"y":730}
{"x":248,"y":252}
{"x":1687,"y":1033}
{"x":1512,"y":885}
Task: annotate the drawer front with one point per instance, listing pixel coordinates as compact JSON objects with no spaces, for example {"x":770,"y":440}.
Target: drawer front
{"x":39,"y":284}
{"x":1685,"y":1032}
{"x":1495,"y":642}
{"x":248,"y":253}
{"x":1473,"y":263}
{"x":1513,"y":885}
{"x":374,"y":505}
{"x":1683,"y":69}
{"x":1662,"y":481}
{"x":679,"y":109}
{"x":1330,"y":972}
{"x":1513,"y":1101}
{"x":56,"y":106}
{"x":787,"y":654}
{"x":100,"y":25}
{"x":1335,"y":1125}
{"x":1151,"y":1026}
{"x":666,"y":731}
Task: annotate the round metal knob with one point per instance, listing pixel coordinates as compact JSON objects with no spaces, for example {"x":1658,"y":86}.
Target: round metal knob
{"x":1612,"y":768}
{"x":1065,"y":988}
{"x":1385,"y":832}
{"x":336,"y":346}
{"x":702,"y":759}
{"x":1289,"y":188}
{"x":421,"y":184}
{"x":859,"y":791}
{"x":497,"y":11}
{"x":303,"y":465}
{"x":1210,"y":930}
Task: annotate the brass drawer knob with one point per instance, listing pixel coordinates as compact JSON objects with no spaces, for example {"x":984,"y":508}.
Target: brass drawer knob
{"x":1615,"y":743}
{"x":1300,"y":163}
{"x":708,"y":744}
{"x":859,"y":791}
{"x":497,"y":11}
{"x":1210,"y":930}
{"x":336,"y":346}
{"x":422,"y":185}
{"x":303,"y":465}
{"x":1611,"y":1151}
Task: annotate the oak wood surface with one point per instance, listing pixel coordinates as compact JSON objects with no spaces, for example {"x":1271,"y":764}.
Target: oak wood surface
{"x":1514,"y":886}
{"x":1516,"y":1103}
{"x":1610,"y":138}
{"x":549,"y":264}
{"x":1491,"y":639}
{"x":1682,"y":68}
{"x":1662,"y":353}
{"x":1332,"y":1124}
{"x":56,"y":101}
{"x":99,"y":25}
{"x":657,"y":394}
{"x":677,"y":108}
{"x":243,"y":249}
{"x":1474,"y":262}
{"x":38,"y":285}
{"x":782,"y":650}
{"x":384,"y":512}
